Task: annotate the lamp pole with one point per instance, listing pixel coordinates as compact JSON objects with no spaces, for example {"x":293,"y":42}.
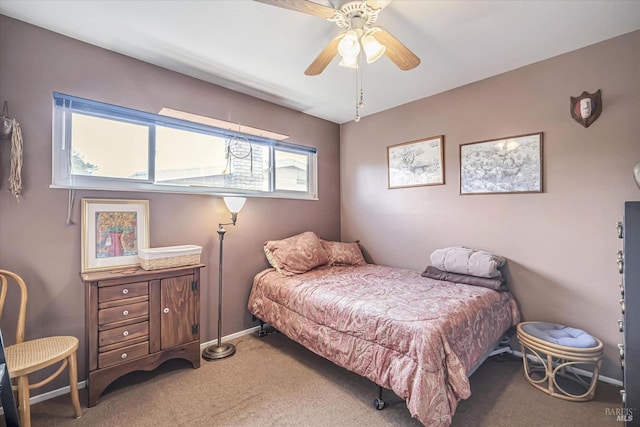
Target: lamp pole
{"x":221,"y":232}
{"x":221,"y":351}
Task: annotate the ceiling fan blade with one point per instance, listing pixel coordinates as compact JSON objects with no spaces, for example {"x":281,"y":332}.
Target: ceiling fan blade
{"x":326,"y":56}
{"x":398,"y":53}
{"x":303,"y":6}
{"x":378,"y":4}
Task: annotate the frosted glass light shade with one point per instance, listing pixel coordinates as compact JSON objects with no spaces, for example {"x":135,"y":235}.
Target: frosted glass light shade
{"x":372,"y":49}
{"x":234,"y":204}
{"x":636,"y":174}
{"x":349,"y":45}
{"x":349,"y":62}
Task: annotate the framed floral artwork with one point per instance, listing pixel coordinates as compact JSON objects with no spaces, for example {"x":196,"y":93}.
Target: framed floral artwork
{"x":416,"y":163}
{"x":113,"y":231}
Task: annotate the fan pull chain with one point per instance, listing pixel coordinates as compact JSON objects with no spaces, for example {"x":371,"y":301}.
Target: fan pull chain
{"x":361,"y":101}
{"x":359,"y":90}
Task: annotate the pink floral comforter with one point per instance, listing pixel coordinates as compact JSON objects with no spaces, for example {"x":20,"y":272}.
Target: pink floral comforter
{"x":417,"y":336}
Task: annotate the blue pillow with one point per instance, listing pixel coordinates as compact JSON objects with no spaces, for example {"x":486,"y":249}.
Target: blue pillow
{"x":560,"y":334}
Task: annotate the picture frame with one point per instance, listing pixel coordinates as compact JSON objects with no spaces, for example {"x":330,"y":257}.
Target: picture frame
{"x":113,"y":232}
{"x":416,"y":163}
{"x":502,"y":166}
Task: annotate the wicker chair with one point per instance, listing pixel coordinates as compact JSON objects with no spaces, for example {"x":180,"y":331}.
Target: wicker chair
{"x":550,"y":362}
{"x":27,"y":357}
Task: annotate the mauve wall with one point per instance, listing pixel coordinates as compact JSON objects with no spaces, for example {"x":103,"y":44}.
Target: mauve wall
{"x":561,"y":245}
{"x":35,"y":241}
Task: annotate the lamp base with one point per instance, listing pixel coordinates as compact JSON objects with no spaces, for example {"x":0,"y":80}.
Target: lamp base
{"x":215,"y":352}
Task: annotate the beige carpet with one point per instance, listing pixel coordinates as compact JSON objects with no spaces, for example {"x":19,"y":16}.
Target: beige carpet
{"x":273,"y":381}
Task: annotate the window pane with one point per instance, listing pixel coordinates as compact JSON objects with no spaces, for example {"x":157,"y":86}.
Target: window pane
{"x":109,"y":148}
{"x":189,"y":158}
{"x":292,"y":171}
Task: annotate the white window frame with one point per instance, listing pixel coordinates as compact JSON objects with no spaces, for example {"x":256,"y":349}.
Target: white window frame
{"x":64,"y":105}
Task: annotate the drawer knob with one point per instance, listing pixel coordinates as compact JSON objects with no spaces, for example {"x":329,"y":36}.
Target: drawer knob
{"x":619,"y":229}
{"x":166,"y":310}
{"x":623,"y":395}
{"x":621,"y":325}
{"x":123,"y":355}
{"x":125,"y":313}
{"x":125,"y":333}
{"x":622,"y":305}
{"x":621,"y":348}
{"x":620,"y":262}
{"x":125,"y":291}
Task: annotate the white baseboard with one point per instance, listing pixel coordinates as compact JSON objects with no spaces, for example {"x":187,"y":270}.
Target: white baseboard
{"x":55,"y":393}
{"x":82,"y":384}
{"x":582,"y":372}
{"x":229,"y":337}
{"x":51,"y":394}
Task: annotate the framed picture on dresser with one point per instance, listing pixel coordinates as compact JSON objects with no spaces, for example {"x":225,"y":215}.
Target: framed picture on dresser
{"x":113,"y":231}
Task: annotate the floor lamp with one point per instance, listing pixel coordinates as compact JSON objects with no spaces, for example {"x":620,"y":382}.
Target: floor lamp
{"x":220,"y":351}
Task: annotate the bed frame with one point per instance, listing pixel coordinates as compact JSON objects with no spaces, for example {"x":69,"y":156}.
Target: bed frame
{"x":420,"y":337}
{"x":500,"y":347}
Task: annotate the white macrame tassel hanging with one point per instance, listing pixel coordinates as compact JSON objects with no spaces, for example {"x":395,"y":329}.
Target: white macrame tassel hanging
{"x":15,"y":173}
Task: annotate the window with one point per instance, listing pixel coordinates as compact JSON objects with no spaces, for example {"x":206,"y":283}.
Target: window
{"x":102,"y":146}
{"x":291,"y":171}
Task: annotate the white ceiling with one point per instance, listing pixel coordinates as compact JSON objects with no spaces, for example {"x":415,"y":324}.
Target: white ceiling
{"x":263,"y":50}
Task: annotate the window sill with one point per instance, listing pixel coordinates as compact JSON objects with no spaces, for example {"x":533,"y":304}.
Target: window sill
{"x":191,"y":190}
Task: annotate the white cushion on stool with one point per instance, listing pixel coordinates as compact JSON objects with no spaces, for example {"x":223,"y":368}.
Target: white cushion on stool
{"x":560,"y":334}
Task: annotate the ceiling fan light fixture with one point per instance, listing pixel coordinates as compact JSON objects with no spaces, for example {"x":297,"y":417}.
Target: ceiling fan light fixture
{"x":373,"y":50}
{"x":349,"y":45}
{"x":349,"y":62}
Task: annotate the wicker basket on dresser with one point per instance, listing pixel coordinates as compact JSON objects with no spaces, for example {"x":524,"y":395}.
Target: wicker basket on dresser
{"x":138,"y":319}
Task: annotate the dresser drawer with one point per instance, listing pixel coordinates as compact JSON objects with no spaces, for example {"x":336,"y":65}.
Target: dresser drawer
{"x":112,"y":293}
{"x":123,"y":354}
{"x":123,"y":312}
{"x":123,"y":333}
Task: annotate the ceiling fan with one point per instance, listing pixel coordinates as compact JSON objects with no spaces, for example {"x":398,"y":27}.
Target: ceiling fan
{"x":356,"y":18}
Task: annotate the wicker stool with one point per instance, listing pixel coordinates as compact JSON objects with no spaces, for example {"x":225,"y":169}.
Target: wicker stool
{"x":548,"y":349}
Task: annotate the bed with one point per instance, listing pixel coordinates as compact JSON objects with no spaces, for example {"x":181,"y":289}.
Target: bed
{"x":417,"y":336}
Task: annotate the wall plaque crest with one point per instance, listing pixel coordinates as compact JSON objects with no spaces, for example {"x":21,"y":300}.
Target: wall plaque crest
{"x":586,"y":108}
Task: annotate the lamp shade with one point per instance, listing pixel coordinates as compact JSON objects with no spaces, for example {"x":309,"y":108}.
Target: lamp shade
{"x":636,"y":174}
{"x":349,"y":45}
{"x":349,"y":62}
{"x":372,"y":49}
{"x":234,"y":204}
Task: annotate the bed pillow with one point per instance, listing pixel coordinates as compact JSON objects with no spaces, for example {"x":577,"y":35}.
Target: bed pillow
{"x":297,"y":254}
{"x":341,"y":253}
{"x":497,"y":284}
{"x":463,"y":260}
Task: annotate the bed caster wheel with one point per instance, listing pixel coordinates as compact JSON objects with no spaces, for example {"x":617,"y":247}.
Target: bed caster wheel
{"x":379,"y":404}
{"x":262,"y":333}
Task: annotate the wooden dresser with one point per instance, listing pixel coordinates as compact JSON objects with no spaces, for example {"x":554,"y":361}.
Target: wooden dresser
{"x":138,"y":319}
